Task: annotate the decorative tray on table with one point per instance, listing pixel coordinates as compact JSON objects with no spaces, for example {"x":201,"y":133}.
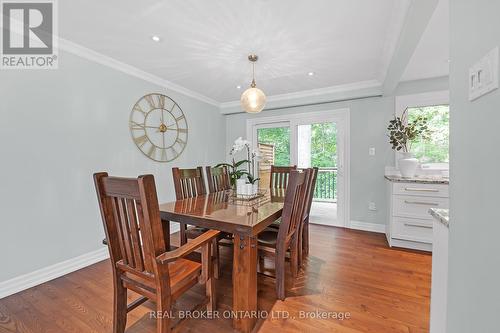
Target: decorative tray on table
{"x":249,"y":198}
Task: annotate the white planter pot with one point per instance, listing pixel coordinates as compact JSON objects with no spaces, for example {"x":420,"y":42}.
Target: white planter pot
{"x":408,"y":165}
{"x":256,"y":187}
{"x":241,"y":187}
{"x":249,"y":189}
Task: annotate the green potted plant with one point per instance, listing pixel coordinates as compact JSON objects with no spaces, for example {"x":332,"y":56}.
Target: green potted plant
{"x":402,"y":131}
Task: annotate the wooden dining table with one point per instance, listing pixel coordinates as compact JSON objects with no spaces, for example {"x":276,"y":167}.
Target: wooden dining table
{"x":245,"y":220}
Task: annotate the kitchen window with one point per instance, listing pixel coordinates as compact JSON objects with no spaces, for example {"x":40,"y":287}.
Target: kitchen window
{"x":432,"y":151}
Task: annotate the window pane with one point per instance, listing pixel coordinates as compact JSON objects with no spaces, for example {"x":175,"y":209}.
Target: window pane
{"x":274,"y":147}
{"x":324,"y":145}
{"x":279,"y":137}
{"x":436,"y":148}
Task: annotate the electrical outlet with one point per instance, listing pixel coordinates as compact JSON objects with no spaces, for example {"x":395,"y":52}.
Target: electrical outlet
{"x":371,"y":151}
{"x":372,"y":206}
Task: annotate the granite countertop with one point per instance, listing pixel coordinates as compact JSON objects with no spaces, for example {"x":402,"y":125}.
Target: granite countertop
{"x":442,"y":215}
{"x":419,"y":179}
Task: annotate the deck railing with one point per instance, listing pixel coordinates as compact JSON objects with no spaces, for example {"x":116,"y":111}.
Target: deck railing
{"x":326,"y":185}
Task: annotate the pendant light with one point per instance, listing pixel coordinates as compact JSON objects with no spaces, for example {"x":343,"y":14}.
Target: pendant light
{"x":253,"y":99}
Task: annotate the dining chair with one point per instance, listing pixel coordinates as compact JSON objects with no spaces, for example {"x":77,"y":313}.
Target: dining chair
{"x":139,"y":259}
{"x":277,"y":243}
{"x":218,"y":179}
{"x":304,"y":230}
{"x":190,"y":183}
{"x":278,"y":180}
{"x":279,"y":176}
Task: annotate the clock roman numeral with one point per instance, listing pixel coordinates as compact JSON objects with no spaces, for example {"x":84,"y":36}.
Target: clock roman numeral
{"x":180,"y":141}
{"x":179,"y":118}
{"x":152,"y":152}
{"x":150,"y":100}
{"x":141,"y":140}
{"x":164,"y":154}
{"x":173,"y":150}
{"x":182,"y":130}
{"x":136,"y":126}
{"x":138,"y":108}
{"x":161,"y":101}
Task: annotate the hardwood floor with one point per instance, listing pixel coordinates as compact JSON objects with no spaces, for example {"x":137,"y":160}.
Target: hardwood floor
{"x":352,"y":272}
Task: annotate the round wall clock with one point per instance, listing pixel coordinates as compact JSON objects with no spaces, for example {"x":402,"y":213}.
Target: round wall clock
{"x":158,"y":127}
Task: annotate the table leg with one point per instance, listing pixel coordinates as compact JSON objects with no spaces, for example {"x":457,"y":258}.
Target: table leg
{"x":245,"y":283}
{"x":166,"y":233}
{"x":182,"y":233}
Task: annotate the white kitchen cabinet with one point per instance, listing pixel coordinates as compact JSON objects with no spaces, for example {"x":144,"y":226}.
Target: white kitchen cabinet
{"x":410,"y":224}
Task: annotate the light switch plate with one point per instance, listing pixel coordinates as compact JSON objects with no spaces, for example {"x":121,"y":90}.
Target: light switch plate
{"x":483,"y":76}
{"x":371,"y":151}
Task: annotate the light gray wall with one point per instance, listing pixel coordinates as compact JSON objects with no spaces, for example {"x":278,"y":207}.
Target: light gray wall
{"x":59,"y":127}
{"x":474,"y":250}
{"x":369,"y":118}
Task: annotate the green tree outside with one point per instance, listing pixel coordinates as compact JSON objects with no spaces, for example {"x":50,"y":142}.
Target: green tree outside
{"x":436,"y":148}
{"x":323,"y":152}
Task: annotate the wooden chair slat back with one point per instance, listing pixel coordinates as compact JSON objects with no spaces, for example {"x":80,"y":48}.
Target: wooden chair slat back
{"x":131,"y":218}
{"x":310,"y":192}
{"x":294,"y":206}
{"x":279,"y":176}
{"x":188,"y":183}
{"x":218,"y":179}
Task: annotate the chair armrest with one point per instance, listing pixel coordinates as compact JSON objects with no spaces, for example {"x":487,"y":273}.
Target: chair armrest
{"x":187,"y":248}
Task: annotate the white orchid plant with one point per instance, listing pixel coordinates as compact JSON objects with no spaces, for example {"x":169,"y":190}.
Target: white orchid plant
{"x":234,"y":169}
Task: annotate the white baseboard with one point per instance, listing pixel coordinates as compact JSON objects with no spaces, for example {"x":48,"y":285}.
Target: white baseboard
{"x":367,"y":226}
{"x":45,"y":274}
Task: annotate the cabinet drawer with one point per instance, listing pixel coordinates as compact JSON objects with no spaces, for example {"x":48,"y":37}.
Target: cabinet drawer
{"x":412,"y":229}
{"x":421,"y":190}
{"x":416,"y":207}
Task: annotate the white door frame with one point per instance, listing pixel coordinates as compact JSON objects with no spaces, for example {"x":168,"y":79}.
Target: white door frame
{"x":339,"y":116}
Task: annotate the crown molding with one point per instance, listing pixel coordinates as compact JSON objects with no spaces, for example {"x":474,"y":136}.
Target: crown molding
{"x":314,"y":92}
{"x":105,"y":60}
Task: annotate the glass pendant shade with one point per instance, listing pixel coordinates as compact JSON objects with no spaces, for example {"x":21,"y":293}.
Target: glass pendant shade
{"x":253,"y":100}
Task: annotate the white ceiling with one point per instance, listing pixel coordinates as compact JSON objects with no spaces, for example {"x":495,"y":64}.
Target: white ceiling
{"x":204,"y":44}
{"x":433,"y":51}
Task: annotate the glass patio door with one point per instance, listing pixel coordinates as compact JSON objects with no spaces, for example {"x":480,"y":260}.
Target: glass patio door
{"x":317,"y":145}
{"x":316,"y":139}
